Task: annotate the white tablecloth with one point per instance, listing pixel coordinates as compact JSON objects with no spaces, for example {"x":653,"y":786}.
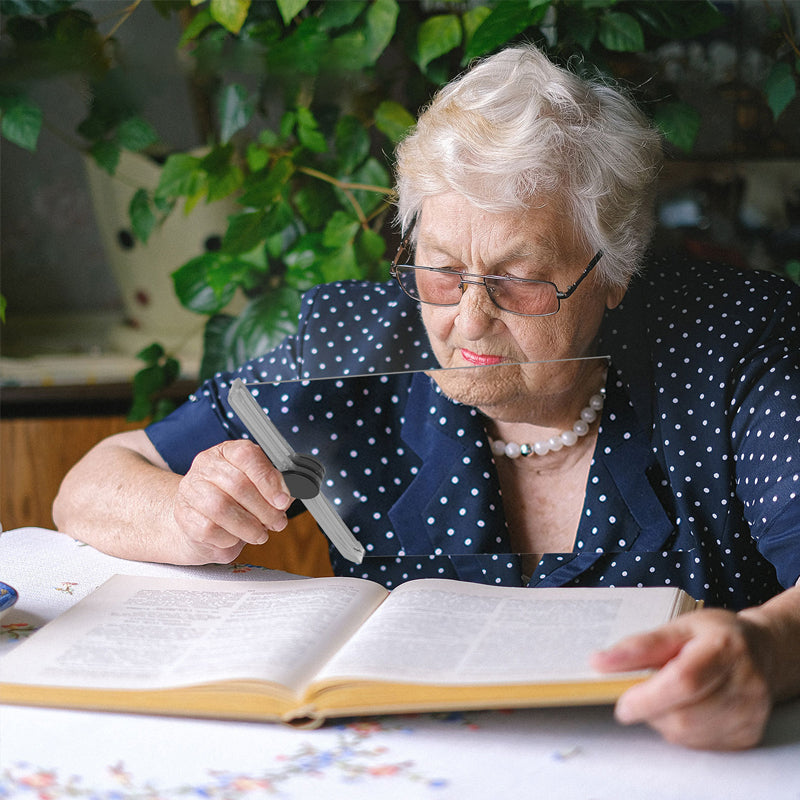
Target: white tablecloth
{"x":48,"y":754}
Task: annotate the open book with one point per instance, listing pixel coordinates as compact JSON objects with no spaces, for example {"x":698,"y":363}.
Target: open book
{"x":303,"y":650}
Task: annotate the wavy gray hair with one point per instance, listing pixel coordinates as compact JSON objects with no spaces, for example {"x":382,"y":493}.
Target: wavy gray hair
{"x":516,"y":130}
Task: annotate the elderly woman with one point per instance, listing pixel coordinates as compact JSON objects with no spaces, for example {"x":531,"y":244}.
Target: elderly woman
{"x":525,"y":198}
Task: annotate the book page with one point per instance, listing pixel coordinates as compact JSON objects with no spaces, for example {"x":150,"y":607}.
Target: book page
{"x":138,"y":633}
{"x":454,"y":633}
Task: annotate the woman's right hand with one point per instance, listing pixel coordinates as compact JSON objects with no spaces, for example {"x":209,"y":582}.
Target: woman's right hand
{"x":231,"y":496}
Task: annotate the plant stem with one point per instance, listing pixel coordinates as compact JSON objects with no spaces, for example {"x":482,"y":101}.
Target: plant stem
{"x":314,"y":173}
{"x":124,"y":17}
{"x":347,"y":189}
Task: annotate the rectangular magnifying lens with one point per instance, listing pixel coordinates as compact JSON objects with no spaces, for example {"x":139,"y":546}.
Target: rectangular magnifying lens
{"x":408,"y":460}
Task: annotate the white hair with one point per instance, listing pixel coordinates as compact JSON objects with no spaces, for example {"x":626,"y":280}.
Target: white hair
{"x":516,"y":131}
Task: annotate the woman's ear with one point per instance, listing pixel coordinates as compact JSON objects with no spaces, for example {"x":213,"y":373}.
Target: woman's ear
{"x":614,"y":295}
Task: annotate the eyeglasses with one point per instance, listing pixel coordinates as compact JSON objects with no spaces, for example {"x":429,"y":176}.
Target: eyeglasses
{"x":445,"y":287}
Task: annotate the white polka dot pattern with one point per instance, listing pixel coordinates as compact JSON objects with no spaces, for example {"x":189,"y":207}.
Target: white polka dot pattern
{"x":695,"y":476}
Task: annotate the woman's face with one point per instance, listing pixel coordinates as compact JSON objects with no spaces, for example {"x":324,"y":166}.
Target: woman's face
{"x":536,"y":243}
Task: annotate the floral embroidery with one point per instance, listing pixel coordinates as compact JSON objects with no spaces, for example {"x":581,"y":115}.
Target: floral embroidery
{"x":68,"y":587}
{"x":15,"y":631}
{"x":352,"y":757}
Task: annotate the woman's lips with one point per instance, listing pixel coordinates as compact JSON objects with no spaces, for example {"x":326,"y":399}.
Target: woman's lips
{"x":480,"y":359}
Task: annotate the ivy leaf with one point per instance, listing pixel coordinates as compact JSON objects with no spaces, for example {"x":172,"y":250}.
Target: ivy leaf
{"x":198,"y":287}
{"x":231,"y":14}
{"x":151,"y":354}
{"x":370,"y":250}
{"x":371,"y":173}
{"x":198,"y":23}
{"x":246,"y":231}
{"x":257,"y":157}
{"x":265,"y":187}
{"x":215,"y":354}
{"x":140,"y":211}
{"x":21,"y":121}
{"x":224,"y":176}
{"x":261,"y":326}
{"x":380,"y":27}
{"x":472,"y":20}
{"x":507,"y":20}
{"x":163,"y":408}
{"x":340,"y":265}
{"x":621,"y":32}
{"x":352,"y":143}
{"x":436,"y":36}
{"x":302,"y":262}
{"x":340,"y":230}
{"x":135,"y":134}
{"x":360,"y":48}
{"x":393,"y":120}
{"x":780,"y":88}
{"x":308,"y":131}
{"x":684,"y":20}
{"x":180,"y":176}
{"x":289,"y":9}
{"x":315,"y":203}
{"x":159,"y":373}
{"x":236,"y":109}
{"x":106,"y":154}
{"x":299,"y":52}
{"x":340,"y":14}
{"x":679,"y":122}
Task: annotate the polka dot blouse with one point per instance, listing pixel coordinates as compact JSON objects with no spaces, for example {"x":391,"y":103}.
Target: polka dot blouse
{"x":695,"y":476}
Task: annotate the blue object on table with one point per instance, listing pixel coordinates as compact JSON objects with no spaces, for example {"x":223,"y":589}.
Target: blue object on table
{"x":8,"y":596}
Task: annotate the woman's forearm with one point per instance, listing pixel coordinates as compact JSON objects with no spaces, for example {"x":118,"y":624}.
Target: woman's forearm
{"x":123,"y":499}
{"x":118,"y":498}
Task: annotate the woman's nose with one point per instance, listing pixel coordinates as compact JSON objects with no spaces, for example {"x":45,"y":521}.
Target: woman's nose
{"x":476,"y":312}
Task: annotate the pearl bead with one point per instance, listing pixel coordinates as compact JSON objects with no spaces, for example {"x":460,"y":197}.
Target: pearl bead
{"x":564,"y":439}
{"x":569,"y":438}
{"x":512,"y":450}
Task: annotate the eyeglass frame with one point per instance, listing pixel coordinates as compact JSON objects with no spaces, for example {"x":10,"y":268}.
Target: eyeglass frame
{"x":404,"y":247}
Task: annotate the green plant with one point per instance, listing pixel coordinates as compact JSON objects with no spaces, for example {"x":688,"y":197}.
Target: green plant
{"x":307,"y":101}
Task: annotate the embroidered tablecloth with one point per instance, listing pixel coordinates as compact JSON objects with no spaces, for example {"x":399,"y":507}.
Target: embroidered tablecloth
{"x":49,"y":754}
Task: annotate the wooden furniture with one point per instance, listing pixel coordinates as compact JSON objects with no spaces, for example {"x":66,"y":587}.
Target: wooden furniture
{"x":42,"y":436}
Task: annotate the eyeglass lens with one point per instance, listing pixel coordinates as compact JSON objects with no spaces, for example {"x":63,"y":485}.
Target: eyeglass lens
{"x":445,"y":288}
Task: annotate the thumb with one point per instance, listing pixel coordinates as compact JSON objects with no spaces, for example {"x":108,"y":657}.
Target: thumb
{"x":649,"y":650}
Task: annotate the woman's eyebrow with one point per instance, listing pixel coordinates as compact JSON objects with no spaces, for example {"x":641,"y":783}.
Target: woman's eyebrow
{"x":539,"y":247}
{"x":542,"y":249}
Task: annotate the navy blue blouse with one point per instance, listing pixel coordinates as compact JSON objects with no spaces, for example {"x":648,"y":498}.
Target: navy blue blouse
{"x":696,"y":471}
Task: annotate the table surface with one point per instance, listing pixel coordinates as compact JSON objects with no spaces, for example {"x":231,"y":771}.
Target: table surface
{"x":554,"y":753}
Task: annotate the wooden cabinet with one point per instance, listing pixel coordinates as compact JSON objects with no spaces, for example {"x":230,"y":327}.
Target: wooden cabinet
{"x":36,"y":454}
{"x":37,"y":451}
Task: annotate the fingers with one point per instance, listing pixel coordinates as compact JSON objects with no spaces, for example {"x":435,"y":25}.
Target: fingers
{"x":644,"y":651}
{"x":232,"y":495}
{"x":708,"y":692}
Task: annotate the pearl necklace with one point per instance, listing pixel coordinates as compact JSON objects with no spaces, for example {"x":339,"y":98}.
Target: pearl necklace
{"x":564,"y":439}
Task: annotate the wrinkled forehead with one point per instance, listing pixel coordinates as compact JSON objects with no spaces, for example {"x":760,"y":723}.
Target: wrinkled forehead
{"x":449,"y":223}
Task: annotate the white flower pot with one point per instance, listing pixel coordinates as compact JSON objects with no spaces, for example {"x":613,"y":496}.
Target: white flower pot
{"x":143,"y":271}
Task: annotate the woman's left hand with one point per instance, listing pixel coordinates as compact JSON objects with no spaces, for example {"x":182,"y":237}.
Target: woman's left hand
{"x":712,"y":689}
